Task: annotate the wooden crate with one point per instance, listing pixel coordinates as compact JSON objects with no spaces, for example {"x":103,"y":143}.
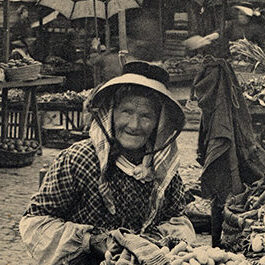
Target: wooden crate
{"x":13,"y":125}
{"x":70,"y":117}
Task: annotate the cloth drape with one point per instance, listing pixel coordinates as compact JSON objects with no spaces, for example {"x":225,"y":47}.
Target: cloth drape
{"x":227,"y":147}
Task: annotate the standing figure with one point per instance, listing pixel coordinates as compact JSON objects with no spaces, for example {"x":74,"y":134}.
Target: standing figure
{"x":21,"y":32}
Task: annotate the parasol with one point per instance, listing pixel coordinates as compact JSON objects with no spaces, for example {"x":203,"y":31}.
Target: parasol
{"x":74,"y":9}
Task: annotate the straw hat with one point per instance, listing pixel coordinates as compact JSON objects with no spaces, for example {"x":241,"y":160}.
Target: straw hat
{"x":247,"y":9}
{"x":144,"y":74}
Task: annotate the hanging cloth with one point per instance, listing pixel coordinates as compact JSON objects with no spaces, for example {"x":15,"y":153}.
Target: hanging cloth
{"x":227,"y":147}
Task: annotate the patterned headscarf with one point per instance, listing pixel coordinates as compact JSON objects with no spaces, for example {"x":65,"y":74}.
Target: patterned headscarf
{"x":160,"y":166}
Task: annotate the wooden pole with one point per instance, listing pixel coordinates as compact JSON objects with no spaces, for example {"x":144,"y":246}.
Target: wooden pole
{"x":95,"y":18}
{"x":96,"y":71}
{"x":6,"y":24}
{"x":107,"y":26}
{"x":160,"y":14}
{"x":122,"y":30}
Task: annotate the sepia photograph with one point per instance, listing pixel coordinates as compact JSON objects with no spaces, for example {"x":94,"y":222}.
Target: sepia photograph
{"x":132,"y":132}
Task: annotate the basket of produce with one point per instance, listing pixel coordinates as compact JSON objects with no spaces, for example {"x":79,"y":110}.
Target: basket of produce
{"x":17,"y":153}
{"x":181,"y":69}
{"x":24,"y":69}
{"x":244,"y":221}
{"x":183,"y":253}
{"x":247,"y":56}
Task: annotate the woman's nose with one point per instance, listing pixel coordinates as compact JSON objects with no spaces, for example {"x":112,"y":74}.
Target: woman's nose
{"x":133,"y":122}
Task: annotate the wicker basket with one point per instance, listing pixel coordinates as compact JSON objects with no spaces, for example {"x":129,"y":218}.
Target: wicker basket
{"x":23,"y":73}
{"x":241,"y":217}
{"x":12,"y":159}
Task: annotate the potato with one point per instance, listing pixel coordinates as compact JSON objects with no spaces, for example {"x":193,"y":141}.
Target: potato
{"x":217,"y":254}
{"x":165,"y":250}
{"x":178,"y":261}
{"x":194,"y":262}
{"x":210,"y":261}
{"x":202,"y":256}
{"x":230,"y":262}
{"x":181,"y":246}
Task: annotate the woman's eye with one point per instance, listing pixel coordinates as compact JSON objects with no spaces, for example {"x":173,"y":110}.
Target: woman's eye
{"x":126,"y":111}
{"x":146,"y":119}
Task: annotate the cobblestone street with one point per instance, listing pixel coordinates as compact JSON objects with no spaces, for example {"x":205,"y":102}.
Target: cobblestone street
{"x":17,"y":186}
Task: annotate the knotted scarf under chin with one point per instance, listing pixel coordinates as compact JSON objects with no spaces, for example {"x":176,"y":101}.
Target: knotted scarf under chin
{"x":160,"y":167}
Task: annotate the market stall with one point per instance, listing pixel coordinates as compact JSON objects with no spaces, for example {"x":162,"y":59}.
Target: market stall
{"x":17,"y":147}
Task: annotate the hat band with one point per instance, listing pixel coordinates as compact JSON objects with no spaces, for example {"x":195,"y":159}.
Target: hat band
{"x":141,"y":80}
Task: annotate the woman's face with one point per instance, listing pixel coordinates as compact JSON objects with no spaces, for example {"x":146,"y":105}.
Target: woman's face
{"x":134,"y":121}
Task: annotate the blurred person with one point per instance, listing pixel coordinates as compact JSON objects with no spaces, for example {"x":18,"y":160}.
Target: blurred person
{"x":125,"y":175}
{"x":21,"y":31}
{"x":247,"y":24}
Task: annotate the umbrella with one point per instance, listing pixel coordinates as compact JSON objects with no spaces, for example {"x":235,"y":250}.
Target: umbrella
{"x":74,"y":9}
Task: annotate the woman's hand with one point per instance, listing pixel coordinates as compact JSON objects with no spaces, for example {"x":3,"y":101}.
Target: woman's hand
{"x":98,"y":244}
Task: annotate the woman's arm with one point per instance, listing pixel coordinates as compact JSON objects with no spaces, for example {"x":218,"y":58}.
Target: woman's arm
{"x":45,"y":228}
{"x":50,"y":240}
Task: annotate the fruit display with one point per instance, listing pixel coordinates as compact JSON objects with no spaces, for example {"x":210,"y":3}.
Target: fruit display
{"x":72,"y":97}
{"x":19,"y":146}
{"x":181,"y":66}
{"x":183,"y":254}
{"x":17,"y":63}
{"x":23,"y":69}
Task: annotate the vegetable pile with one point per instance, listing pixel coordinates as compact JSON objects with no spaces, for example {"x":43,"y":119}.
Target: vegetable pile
{"x":244,"y":215}
{"x":184,"y":254}
{"x":254,"y":90}
{"x":187,"y":65}
{"x":244,"y":50}
{"x":72,"y":97}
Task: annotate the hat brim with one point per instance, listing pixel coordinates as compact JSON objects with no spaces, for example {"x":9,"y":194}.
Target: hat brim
{"x":246,"y":10}
{"x":108,"y":89}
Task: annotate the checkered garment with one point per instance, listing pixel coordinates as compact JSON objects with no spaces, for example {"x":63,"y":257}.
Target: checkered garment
{"x":78,"y":183}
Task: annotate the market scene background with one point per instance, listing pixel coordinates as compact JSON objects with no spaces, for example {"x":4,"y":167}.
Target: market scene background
{"x":73,"y":51}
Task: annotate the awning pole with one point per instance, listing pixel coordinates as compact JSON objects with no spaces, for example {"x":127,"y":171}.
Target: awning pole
{"x":95,"y":18}
{"x":6,"y":24}
{"x":161,"y":23}
{"x":107,"y":26}
{"x":122,"y":30}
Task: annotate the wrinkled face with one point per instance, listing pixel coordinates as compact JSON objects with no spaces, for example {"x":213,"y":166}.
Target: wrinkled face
{"x":134,"y":121}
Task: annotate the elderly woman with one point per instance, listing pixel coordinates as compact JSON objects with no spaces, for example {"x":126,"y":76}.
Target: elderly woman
{"x":125,"y":175}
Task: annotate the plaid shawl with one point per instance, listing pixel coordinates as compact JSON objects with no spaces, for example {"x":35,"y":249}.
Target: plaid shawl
{"x":160,"y":167}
